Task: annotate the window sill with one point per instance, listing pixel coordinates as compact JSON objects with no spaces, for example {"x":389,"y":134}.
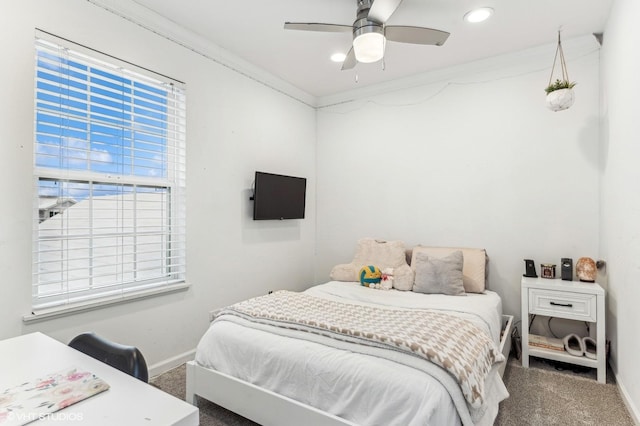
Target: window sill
{"x":64,"y":310}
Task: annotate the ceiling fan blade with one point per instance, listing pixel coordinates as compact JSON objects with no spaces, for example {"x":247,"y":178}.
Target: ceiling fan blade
{"x":315,"y":26}
{"x":381,"y":10}
{"x":350,"y":61}
{"x":415,"y":35}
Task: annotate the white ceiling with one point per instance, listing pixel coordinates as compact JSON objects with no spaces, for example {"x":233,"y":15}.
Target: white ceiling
{"x":253,"y":30}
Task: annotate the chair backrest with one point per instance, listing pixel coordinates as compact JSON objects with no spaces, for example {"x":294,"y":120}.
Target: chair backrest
{"x":125,"y":358}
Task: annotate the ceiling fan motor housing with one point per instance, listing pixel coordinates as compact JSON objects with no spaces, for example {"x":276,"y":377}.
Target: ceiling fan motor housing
{"x":362,"y":24}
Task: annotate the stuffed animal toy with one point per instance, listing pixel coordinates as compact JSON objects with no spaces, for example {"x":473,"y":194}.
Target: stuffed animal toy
{"x":370,"y":275}
{"x":386,"y":279}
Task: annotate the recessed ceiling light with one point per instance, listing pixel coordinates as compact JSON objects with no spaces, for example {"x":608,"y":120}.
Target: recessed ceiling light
{"x":478,"y":15}
{"x":338,"y":57}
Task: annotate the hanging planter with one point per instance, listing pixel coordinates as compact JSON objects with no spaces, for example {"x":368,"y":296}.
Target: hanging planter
{"x":560,"y":93}
{"x":562,"y":97}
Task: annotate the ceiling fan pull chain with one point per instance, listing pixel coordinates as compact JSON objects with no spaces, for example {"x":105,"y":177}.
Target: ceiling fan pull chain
{"x":356,"y":76}
{"x":384,"y":51}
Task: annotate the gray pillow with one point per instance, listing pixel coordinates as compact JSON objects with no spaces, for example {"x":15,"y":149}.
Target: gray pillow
{"x":439,"y":275}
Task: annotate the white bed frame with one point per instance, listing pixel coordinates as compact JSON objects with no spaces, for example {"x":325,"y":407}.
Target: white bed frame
{"x":271,"y":409}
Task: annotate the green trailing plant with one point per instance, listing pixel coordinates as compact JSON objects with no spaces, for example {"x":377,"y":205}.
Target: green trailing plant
{"x":559,"y":84}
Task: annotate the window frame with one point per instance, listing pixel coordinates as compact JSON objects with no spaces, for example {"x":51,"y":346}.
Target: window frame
{"x":171,"y":185}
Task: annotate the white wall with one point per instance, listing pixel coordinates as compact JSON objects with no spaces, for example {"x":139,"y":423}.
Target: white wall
{"x":466,"y":157}
{"x":236,"y":125}
{"x":620,"y":207}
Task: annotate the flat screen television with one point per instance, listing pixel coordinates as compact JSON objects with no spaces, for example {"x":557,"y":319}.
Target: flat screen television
{"x":278,"y":197}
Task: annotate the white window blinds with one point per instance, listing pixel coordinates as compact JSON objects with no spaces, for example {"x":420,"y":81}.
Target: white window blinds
{"x":109,"y":176}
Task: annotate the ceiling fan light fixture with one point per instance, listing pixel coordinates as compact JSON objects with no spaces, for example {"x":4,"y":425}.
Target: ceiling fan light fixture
{"x":478,"y":15}
{"x":369,"y":47}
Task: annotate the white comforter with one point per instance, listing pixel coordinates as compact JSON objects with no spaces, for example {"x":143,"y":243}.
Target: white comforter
{"x":364,"y":389}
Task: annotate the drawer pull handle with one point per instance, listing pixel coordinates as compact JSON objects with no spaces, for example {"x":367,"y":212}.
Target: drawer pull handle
{"x":566,"y":305}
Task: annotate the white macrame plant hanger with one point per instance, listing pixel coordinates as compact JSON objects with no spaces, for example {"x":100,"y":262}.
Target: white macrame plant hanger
{"x":560,"y":99}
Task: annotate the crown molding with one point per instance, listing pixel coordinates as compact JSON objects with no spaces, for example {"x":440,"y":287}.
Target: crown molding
{"x":137,"y":14}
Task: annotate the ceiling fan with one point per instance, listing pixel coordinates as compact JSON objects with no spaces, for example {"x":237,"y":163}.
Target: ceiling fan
{"x":370,"y":31}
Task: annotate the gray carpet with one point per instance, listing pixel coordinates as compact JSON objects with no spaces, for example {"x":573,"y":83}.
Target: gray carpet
{"x":540,"y":396}
{"x":557,"y":394}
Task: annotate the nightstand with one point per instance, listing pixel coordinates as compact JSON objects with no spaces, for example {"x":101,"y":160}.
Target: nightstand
{"x":572,"y":300}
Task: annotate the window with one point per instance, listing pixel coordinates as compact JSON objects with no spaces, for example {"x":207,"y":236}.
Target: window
{"x":109,"y":177}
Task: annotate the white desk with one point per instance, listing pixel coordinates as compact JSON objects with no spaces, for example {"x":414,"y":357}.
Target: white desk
{"x":129,"y":401}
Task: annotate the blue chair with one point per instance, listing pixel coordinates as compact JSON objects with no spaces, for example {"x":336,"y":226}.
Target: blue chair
{"x":127,"y":359}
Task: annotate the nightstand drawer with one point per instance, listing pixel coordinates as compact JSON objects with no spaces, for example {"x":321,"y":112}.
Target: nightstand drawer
{"x":563,"y":304}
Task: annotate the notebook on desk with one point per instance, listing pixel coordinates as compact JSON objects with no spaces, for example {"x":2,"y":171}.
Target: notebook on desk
{"x":43,"y":397}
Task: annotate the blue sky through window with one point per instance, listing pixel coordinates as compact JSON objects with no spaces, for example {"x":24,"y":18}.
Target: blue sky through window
{"x":97,"y":120}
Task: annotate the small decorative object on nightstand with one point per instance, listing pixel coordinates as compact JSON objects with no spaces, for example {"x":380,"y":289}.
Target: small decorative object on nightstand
{"x":572,"y":300}
{"x":530,"y":268}
{"x":566,"y":269}
{"x":547,"y":270}
{"x":586,"y":270}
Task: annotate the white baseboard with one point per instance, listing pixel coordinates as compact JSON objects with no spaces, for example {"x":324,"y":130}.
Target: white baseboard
{"x":171,"y":363}
{"x":628,"y":402}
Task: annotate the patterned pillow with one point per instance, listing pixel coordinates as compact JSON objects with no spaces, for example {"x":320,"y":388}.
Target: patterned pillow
{"x":439,"y":275}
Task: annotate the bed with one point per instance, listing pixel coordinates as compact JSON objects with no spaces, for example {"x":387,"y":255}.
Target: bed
{"x":279,"y":370}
